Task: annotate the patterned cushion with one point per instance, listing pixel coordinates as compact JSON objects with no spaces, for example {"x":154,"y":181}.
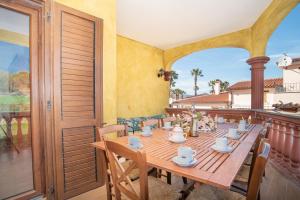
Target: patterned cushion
{"x":206,"y":192}
{"x":134,"y":123}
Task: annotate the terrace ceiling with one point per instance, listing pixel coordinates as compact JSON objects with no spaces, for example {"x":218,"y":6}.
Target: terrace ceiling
{"x":170,"y":23}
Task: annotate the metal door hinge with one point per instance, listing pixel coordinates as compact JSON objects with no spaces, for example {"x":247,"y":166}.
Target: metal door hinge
{"x":48,"y":16}
{"x":49,"y":105}
{"x":51,"y":189}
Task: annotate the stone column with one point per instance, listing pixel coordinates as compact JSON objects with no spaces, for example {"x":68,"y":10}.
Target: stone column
{"x":257,"y":81}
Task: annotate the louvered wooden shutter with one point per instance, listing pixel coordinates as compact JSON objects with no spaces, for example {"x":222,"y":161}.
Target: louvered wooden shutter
{"x":77,"y":100}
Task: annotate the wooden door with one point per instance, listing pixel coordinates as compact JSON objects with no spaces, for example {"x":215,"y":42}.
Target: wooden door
{"x":77,"y":100}
{"x":21,"y":155}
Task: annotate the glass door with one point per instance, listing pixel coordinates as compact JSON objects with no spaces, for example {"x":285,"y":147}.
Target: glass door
{"x":19,"y":138}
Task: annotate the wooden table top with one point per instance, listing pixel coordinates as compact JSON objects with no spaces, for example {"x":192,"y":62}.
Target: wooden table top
{"x":212,"y":168}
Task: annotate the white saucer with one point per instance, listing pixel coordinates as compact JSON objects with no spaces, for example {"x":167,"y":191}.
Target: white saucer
{"x":139,"y":147}
{"x":167,"y":128}
{"x":233,"y":137}
{"x":178,"y":161}
{"x":176,"y":141}
{"x":228,"y":149}
{"x":242,"y":131}
{"x":144,"y":135}
{"x":205,"y":129}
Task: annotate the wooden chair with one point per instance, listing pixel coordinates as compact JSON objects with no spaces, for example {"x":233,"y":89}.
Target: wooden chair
{"x":121,"y":130}
{"x":139,"y":189}
{"x":252,"y":191}
{"x":150,"y":122}
{"x":247,"y":168}
{"x":264,"y":133}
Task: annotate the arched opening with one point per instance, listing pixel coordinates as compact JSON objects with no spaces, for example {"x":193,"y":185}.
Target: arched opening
{"x":284,"y":40}
{"x":224,"y":64}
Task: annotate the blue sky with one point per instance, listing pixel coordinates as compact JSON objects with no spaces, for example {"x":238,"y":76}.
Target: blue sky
{"x":230,"y":63}
{"x":14,"y":57}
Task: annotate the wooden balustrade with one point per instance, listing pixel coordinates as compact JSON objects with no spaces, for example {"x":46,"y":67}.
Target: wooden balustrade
{"x":284,"y":134}
{"x":21,"y":138}
{"x":229,"y":114}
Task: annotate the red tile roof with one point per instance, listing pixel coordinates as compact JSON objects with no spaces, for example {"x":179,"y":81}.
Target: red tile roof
{"x":221,"y":98}
{"x":269,"y":83}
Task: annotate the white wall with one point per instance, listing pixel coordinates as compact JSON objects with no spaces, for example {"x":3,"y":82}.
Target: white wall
{"x":287,"y":97}
{"x":241,"y":99}
{"x":291,"y":76}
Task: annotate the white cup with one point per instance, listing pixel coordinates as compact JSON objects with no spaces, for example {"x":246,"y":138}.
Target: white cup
{"x":146,"y":130}
{"x":186,"y":153}
{"x":177,"y":136}
{"x":233,"y":132}
{"x":222,"y":142}
{"x":242,"y":121}
{"x":133,"y":141}
{"x":167,"y":124}
{"x":242,"y":126}
{"x":220,"y":120}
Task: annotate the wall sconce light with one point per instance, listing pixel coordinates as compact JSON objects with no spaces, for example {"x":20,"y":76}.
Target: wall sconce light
{"x":164,"y":73}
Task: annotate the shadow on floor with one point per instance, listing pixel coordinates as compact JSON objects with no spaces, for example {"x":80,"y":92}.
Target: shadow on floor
{"x":275,"y":187}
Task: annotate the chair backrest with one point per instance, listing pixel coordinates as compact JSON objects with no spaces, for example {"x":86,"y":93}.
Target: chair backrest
{"x":121,"y":181}
{"x":257,"y":149}
{"x":258,"y":170}
{"x":168,"y":119}
{"x":121,"y":130}
{"x":268,"y":126}
{"x":151,"y":122}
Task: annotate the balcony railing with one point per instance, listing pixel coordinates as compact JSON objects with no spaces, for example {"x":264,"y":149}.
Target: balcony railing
{"x":288,"y":87}
{"x":284,"y":134}
{"x":15,"y":128}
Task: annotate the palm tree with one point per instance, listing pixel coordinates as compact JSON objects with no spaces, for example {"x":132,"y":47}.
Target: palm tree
{"x":196,"y":73}
{"x":223,"y":86}
{"x":182,"y":93}
{"x":173,"y":77}
{"x":178,"y":92}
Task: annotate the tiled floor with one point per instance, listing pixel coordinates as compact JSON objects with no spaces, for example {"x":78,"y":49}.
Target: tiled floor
{"x":15,"y":172}
{"x":275,"y":187}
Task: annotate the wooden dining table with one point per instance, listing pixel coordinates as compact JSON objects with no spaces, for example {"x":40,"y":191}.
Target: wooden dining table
{"x":213,"y":168}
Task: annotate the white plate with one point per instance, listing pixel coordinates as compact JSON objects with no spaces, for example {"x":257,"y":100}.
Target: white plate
{"x":228,"y":149}
{"x":233,"y":137}
{"x":182,"y":164}
{"x":176,"y":141}
{"x":242,"y":131}
{"x":139,"y":147}
{"x":167,"y":128}
{"x":146,"y":135}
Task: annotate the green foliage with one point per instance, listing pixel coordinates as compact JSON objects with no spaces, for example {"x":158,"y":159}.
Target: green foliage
{"x":174,"y":76}
{"x":196,"y":73}
{"x":223,"y":86}
{"x":198,"y":115}
{"x":14,"y":103}
{"x":178,"y":92}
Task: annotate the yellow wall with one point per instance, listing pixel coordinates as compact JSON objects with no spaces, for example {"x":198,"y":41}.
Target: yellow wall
{"x":267,"y":24}
{"x":140,"y":91}
{"x":240,"y":39}
{"x":13,"y":37}
{"x":253,"y":39}
{"x":105,"y":9}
